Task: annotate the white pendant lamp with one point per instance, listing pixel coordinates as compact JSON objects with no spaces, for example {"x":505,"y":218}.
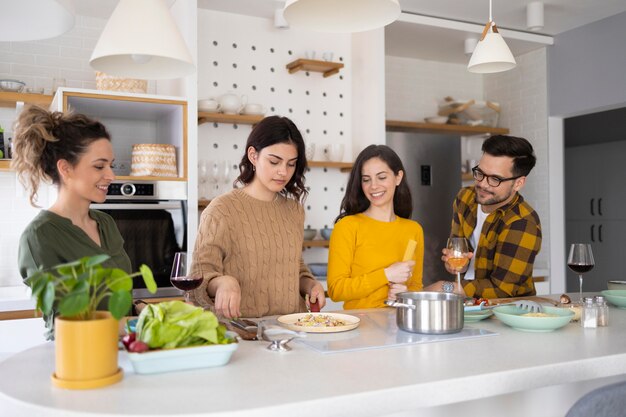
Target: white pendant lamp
{"x":141,"y":40}
{"x":30,"y":20}
{"x":491,"y":54}
{"x":341,"y":16}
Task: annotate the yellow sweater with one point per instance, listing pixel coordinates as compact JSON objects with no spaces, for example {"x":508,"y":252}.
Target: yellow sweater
{"x":360,"y":250}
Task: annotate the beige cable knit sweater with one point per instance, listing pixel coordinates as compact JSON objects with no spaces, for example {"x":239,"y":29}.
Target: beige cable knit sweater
{"x":258,"y":243}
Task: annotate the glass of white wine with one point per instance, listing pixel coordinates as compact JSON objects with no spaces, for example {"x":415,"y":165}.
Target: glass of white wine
{"x":457,"y":255}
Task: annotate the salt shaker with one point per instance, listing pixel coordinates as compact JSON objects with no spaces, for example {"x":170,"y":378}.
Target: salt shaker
{"x":589,"y":318}
{"x":603,"y":311}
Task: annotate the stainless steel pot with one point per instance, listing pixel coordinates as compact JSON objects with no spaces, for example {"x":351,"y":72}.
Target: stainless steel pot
{"x":429,"y":312}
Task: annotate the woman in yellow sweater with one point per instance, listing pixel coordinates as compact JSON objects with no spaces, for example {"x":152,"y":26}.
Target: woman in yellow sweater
{"x":371,"y":234}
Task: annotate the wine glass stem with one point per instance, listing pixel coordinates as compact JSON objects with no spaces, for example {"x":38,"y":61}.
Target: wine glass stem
{"x":186,"y":296}
{"x":458,"y":278}
{"x":580,"y":288}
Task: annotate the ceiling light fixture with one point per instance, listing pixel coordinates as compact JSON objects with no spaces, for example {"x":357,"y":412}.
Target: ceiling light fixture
{"x":279,"y":19}
{"x":31,"y":20}
{"x":141,"y":40}
{"x":343,"y":16}
{"x":491,"y":54}
{"x":534,"y":16}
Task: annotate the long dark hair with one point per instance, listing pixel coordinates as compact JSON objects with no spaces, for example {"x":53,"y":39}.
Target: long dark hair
{"x":354,"y":201}
{"x":268,"y":132}
{"x":42,"y":138}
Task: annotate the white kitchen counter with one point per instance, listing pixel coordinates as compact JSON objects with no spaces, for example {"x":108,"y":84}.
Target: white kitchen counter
{"x":398,"y":380}
{"x":16,"y":298}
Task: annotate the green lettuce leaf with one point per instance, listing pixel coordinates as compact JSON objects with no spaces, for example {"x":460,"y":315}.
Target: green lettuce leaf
{"x":176,"y":324}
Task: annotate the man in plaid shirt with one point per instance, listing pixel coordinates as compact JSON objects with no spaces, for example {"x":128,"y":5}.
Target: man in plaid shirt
{"x":504,"y":232}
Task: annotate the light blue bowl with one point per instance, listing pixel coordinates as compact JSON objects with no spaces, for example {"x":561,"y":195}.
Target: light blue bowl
{"x":168,"y":360}
{"x":319,"y":269}
{"x":616,"y":297}
{"x":325,"y":232}
{"x":514,"y":317}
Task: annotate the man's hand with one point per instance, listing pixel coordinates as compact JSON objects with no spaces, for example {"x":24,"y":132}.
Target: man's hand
{"x":446,"y":255}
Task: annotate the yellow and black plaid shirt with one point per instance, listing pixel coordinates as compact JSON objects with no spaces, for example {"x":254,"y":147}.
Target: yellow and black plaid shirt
{"x":509,"y":241}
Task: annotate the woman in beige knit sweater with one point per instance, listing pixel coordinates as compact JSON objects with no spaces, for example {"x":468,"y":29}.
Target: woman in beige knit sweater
{"x":249,"y":245}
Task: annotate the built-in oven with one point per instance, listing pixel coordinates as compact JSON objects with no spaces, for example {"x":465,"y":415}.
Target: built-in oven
{"x":152,"y":218}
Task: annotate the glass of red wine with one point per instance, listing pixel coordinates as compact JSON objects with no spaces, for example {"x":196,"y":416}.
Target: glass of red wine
{"x":180,"y":277}
{"x":580,"y":260}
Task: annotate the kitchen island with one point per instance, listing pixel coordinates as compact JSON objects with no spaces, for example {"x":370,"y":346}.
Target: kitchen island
{"x":521,"y":371}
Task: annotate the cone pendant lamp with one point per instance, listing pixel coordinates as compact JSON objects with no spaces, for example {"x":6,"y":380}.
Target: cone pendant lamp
{"x":341,"y":16}
{"x":492,"y":53}
{"x":141,"y":40}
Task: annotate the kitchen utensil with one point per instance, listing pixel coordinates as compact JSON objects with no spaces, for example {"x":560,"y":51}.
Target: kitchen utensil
{"x":335,"y":152}
{"x":474,"y":316}
{"x":12,"y":85}
{"x":208,"y":105}
{"x":309,"y":234}
{"x":429,"y":312}
{"x":252,"y":108}
{"x":309,"y":150}
{"x":231,"y":103}
{"x":528,"y":305}
{"x":616,"y":297}
{"x":514,"y":316}
{"x":319,"y":269}
{"x":436,"y":120}
{"x":278,"y":336}
{"x":289,"y":321}
{"x":616,"y":285}
{"x":326,"y":232}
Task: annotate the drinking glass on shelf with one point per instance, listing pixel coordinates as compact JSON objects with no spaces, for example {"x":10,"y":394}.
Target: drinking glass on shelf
{"x":226,"y":171}
{"x":580,"y":260}
{"x":203,"y":177}
{"x":180,"y":277}
{"x":214,"y":167}
{"x":457,"y":255}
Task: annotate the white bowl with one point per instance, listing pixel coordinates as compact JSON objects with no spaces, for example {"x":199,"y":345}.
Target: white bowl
{"x":11,"y":85}
{"x":616,"y":285}
{"x":440,"y":120}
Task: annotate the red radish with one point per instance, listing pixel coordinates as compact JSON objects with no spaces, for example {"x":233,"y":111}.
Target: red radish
{"x":138,"y":347}
{"x":128,"y":339}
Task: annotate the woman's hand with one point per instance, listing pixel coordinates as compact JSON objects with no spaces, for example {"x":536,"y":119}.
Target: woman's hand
{"x":394,"y":290}
{"x":228,"y":297}
{"x":316,"y":294}
{"x":399,"y":272}
{"x":449,"y":268}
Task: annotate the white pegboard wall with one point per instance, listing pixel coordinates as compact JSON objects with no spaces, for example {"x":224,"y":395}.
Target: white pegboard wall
{"x":229,"y":60}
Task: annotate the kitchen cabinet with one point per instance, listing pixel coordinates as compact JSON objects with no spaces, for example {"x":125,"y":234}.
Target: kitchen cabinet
{"x":594,"y":208}
{"x":327,"y":68}
{"x":145,"y":119}
{"x":11,"y":99}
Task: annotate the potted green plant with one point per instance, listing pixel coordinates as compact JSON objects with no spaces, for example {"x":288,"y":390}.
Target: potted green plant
{"x":71,"y":296}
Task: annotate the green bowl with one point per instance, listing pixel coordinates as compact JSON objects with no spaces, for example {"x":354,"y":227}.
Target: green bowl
{"x":616,"y":297}
{"x":474,"y":316}
{"x":513,"y":316}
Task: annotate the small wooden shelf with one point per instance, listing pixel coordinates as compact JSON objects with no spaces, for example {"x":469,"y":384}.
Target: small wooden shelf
{"x":467,"y":177}
{"x":8,"y":99}
{"x":343,"y":166}
{"x":5,"y":165}
{"x":244,"y":119}
{"x":315,"y":243}
{"x":203,"y":203}
{"x":325,"y":67}
{"x":401,"y":126}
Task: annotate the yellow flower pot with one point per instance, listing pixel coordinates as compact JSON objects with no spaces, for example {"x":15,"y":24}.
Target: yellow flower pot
{"x":86,"y":352}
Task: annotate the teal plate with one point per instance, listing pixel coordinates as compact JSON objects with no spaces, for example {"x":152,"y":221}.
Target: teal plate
{"x":474,"y":316}
{"x":514,"y":316}
{"x":616,"y":297}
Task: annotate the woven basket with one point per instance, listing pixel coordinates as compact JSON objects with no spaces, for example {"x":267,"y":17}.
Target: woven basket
{"x":153,"y":160}
{"x":111,"y":83}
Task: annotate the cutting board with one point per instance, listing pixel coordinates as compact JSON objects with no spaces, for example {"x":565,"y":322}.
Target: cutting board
{"x":540,"y":300}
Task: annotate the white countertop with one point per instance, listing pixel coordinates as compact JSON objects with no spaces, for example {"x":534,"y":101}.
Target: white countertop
{"x":302,"y":382}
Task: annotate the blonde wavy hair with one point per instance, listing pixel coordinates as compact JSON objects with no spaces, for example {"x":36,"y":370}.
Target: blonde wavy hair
{"x":42,"y":138}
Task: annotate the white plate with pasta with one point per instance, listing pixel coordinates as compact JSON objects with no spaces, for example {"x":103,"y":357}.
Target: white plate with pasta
{"x":319,"y":322}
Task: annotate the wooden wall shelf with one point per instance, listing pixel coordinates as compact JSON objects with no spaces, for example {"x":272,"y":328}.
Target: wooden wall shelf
{"x":462,"y":130}
{"x":325,"y":67}
{"x":5,"y":165}
{"x":243,"y":119}
{"x":9,"y":99}
{"x":203,"y":203}
{"x":343,"y":166}
{"x":316,"y":243}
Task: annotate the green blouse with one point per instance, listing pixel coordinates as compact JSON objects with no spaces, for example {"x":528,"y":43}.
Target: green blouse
{"x":51,"y":239}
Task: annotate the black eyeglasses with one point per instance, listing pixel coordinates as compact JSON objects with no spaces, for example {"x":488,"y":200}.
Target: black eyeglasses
{"x":491,"y":180}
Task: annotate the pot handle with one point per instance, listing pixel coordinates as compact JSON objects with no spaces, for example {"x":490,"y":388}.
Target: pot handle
{"x":393,"y":303}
